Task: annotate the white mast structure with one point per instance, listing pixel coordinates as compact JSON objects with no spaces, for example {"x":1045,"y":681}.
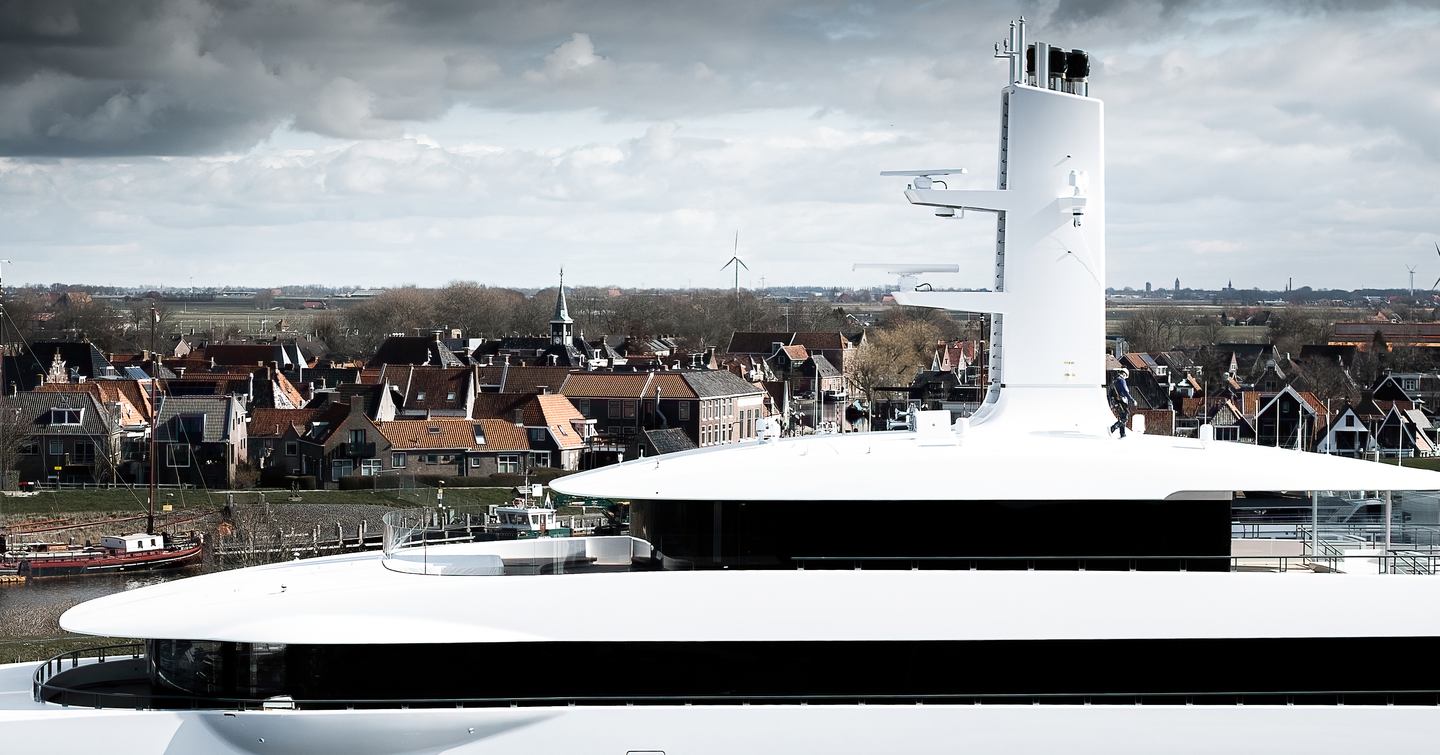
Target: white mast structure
{"x":1047,"y":372}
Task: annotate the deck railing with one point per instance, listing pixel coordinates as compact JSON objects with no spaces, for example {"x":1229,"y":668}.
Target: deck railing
{"x":47,"y":670}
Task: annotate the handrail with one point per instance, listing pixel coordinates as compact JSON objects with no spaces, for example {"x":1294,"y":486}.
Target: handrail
{"x":55,"y":664}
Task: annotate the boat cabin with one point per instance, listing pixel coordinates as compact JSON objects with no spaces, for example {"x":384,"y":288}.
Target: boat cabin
{"x":139,"y":542}
{"x":528,"y":521}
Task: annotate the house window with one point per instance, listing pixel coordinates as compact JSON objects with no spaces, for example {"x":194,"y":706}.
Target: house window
{"x":369,"y":467}
{"x":65,"y":416}
{"x":684,"y":412}
{"x":432,"y":458}
{"x":612,"y":408}
{"x":508,"y":463}
{"x":397,"y":461}
{"x":539,"y":459}
{"x":420,"y":396}
{"x":1409,"y":384}
{"x":57,"y":447}
{"x":1227,"y":432}
{"x":475,"y":462}
{"x":582,"y":405}
{"x":292,"y":448}
{"x":29,"y":447}
{"x":630,"y":409}
{"x":341,"y":468}
{"x":537,"y":435}
{"x":84,"y":452}
{"x":450,"y":396}
{"x":357,"y":437}
{"x":177,"y":456}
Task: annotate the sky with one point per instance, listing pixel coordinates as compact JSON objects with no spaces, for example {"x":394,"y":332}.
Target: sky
{"x":221,"y":143}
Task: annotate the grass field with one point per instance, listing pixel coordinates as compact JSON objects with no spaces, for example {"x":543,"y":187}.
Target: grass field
{"x":133,"y":502}
{"x":1430,"y":463}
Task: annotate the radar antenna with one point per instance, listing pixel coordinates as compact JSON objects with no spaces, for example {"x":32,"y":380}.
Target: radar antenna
{"x":906,"y":273}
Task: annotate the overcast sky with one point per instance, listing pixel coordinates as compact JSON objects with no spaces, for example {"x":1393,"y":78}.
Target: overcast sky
{"x":207,"y":142}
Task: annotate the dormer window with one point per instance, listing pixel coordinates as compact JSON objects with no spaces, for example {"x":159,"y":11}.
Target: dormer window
{"x":433,"y":430}
{"x":420,"y":396}
{"x":65,"y":416}
{"x":450,"y":396}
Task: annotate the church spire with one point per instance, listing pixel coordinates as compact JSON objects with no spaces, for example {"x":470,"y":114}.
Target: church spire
{"x":562,"y":312}
{"x":561,"y":326}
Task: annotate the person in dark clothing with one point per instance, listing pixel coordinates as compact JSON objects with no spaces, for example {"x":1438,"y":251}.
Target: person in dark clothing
{"x":1120,"y":401}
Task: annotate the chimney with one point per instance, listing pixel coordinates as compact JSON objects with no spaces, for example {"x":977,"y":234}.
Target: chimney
{"x":519,"y":417}
{"x":544,"y":390}
{"x":357,"y":405}
{"x":180,"y":372}
{"x":507,"y":359}
{"x":438,"y":334}
{"x":271,"y":368}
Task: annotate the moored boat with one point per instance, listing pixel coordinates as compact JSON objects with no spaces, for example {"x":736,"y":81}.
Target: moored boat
{"x":137,"y":552}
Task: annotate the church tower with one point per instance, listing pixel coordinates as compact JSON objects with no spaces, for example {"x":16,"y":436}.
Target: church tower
{"x":562,"y":328}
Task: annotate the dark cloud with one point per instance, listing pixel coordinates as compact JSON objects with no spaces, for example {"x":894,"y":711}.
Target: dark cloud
{"x":200,"y":76}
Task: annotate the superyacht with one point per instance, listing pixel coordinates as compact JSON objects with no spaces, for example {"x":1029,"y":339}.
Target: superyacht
{"x":745,"y":612}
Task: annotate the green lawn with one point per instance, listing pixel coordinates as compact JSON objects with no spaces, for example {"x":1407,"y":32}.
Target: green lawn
{"x":1431,"y":463}
{"x":121,"y":501}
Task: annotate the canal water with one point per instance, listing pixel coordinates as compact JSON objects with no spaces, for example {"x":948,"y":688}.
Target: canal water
{"x":32,"y":608}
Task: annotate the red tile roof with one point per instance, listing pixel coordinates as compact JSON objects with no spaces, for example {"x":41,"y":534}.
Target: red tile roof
{"x":453,"y":433}
{"x":273,"y":423}
{"x":605,"y":385}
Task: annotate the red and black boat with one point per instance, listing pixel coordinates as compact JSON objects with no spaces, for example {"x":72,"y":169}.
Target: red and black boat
{"x":125,"y":553}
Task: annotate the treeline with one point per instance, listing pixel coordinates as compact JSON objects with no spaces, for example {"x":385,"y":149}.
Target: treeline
{"x":697,"y":318}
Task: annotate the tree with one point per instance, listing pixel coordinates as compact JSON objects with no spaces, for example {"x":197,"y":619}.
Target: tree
{"x":14,"y":435}
{"x":1292,"y":329}
{"x":891,"y":356}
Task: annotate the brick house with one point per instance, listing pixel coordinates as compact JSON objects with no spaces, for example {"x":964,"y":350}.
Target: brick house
{"x":556,"y":429}
{"x":341,"y":441}
{"x":457,"y":447}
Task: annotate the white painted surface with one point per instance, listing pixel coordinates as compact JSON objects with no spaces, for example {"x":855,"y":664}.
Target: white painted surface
{"x":355,"y":599}
{"x":991,"y":461}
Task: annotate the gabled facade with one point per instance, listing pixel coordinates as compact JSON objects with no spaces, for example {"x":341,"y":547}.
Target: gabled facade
{"x":200,"y":441}
{"x":342,"y":441}
{"x":71,"y":438}
{"x":1347,"y":435}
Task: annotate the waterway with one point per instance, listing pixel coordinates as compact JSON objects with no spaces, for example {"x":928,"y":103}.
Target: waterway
{"x":32,"y":608}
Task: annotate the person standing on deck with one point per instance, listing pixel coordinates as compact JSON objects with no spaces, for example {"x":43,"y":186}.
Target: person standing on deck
{"x":1120,"y":401}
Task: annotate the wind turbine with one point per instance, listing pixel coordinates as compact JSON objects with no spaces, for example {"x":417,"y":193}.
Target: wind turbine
{"x":739,"y":263}
{"x":1411,"y":268}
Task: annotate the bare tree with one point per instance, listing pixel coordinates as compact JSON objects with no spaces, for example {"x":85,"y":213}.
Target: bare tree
{"x":891,"y":356}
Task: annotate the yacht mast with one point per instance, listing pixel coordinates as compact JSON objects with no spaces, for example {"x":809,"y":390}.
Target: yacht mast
{"x":1047,"y":372}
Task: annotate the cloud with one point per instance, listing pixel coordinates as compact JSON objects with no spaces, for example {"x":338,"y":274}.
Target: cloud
{"x":573,"y":61}
{"x":504,"y":136}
